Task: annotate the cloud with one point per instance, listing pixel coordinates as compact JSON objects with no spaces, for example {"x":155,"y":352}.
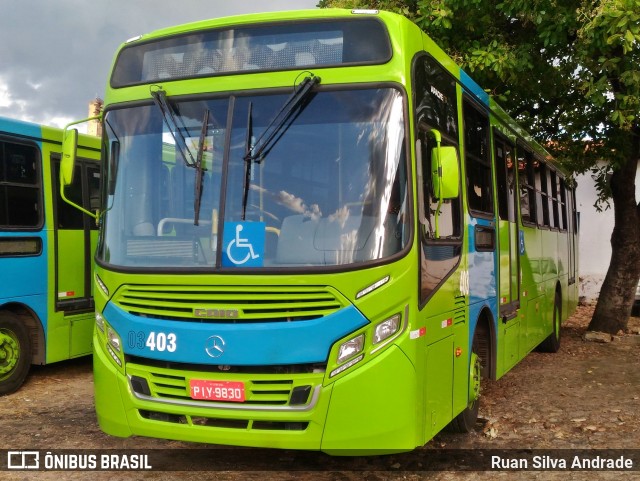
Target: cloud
{"x":5,"y":95}
{"x":7,"y":100}
{"x":56,"y":55}
{"x":296,"y":204}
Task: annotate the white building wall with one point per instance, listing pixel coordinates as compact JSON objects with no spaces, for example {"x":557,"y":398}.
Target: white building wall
{"x":595,"y":236}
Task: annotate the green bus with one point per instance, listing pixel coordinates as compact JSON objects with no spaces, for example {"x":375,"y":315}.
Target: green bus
{"x":318,"y":233}
{"x":46,"y":249}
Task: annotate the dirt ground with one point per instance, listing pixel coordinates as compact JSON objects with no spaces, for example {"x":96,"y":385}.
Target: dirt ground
{"x":587,"y":396}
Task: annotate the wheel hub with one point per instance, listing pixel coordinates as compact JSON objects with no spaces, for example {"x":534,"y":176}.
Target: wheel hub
{"x":9,"y":352}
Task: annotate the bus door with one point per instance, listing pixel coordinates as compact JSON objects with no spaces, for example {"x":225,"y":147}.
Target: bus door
{"x":76,"y":238}
{"x":508,"y":236}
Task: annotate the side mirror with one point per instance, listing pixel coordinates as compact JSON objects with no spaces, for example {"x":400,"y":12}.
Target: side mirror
{"x":69,"y":151}
{"x":445,"y":172}
{"x":68,"y":164}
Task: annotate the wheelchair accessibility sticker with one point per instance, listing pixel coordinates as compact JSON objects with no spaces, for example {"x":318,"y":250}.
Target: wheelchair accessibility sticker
{"x":243,"y":244}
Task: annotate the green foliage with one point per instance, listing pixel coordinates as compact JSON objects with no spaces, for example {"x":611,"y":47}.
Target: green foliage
{"x":568,"y":71}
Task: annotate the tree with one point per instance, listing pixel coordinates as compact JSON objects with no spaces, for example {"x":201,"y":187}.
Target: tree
{"x":570,"y":73}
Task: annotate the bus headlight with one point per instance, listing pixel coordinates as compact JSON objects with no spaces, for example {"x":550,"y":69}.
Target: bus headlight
{"x":386,"y":329}
{"x":100,"y":321}
{"x":350,"y":348}
{"x":114,"y":340}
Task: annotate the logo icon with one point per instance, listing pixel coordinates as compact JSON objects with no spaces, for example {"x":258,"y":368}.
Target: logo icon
{"x":243,"y":244}
{"x":214,"y":347}
{"x":216,"y":313}
{"x":23,"y":460}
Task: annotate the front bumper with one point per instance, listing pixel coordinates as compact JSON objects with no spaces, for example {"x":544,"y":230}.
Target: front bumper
{"x":371,"y":410}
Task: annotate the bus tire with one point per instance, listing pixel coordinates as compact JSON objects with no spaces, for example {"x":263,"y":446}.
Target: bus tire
{"x":466,"y":420}
{"x":15,"y":353}
{"x":552,"y":342}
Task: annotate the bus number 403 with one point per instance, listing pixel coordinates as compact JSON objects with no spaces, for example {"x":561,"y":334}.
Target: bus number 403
{"x":156,"y":341}
{"x":161,"y":342}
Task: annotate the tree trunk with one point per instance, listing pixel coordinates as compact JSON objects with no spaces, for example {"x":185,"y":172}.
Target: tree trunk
{"x":617,"y":294}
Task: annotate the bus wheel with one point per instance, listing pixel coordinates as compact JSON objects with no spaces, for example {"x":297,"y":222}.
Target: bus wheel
{"x":15,"y":353}
{"x":466,"y":420}
{"x":552,"y":343}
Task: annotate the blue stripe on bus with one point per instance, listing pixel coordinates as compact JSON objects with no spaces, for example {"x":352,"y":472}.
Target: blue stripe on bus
{"x":482,"y":277}
{"x":18,"y":127}
{"x":474,"y":88}
{"x":242,"y":344}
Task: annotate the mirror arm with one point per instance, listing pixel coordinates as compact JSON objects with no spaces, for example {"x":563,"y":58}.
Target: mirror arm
{"x":95,"y":215}
{"x":76,"y":122}
{"x":438,"y":137}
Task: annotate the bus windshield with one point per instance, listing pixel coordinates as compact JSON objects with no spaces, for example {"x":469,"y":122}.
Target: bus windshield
{"x":331,"y":190}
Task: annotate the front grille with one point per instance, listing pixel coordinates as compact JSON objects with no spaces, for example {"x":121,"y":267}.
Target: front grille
{"x":273,"y":392}
{"x":230,"y":303}
{"x":261,"y":390}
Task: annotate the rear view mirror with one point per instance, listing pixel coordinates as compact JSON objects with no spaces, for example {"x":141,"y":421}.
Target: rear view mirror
{"x":68,"y":164}
{"x":69,"y":150}
{"x":445,"y":172}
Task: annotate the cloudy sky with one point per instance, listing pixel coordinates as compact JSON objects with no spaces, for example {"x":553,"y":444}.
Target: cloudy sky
{"x":55,"y":55}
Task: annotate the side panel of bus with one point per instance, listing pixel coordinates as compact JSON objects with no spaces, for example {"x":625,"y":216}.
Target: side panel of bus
{"x":73,"y":237}
{"x":37,"y":259}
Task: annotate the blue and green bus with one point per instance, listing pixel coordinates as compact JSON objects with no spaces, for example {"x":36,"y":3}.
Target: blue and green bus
{"x":46,"y":250}
{"x":318,"y":233}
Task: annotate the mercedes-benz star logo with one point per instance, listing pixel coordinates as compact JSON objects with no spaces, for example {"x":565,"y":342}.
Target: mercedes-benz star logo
{"x":214,"y":346}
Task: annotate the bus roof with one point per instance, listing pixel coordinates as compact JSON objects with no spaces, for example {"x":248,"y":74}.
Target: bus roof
{"x":282,"y":17}
{"x":37,"y":132}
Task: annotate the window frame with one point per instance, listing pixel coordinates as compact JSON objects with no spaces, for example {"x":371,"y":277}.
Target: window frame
{"x":506,"y":199}
{"x":473,"y":162}
{"x":525,"y":155}
{"x":37,"y":186}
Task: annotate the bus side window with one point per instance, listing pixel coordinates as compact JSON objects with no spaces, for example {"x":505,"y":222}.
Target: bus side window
{"x":527,"y":187}
{"x":542,"y":193}
{"x":554,"y":197}
{"x":68,"y":216}
{"x":477,"y":160}
{"x":94,"y":201}
{"x":506,"y":178}
{"x":20,"y":204}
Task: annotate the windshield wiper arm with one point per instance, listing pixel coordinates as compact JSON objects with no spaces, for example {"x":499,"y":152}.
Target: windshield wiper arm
{"x":255,"y":152}
{"x":160,"y":98}
{"x":199,"y":169}
{"x":294,"y":105}
{"x":247,"y":161}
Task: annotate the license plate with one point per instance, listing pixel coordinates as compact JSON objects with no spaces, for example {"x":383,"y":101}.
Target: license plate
{"x":232,"y":391}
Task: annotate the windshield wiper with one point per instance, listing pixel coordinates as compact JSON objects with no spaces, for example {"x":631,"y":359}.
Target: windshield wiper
{"x":256,"y":152}
{"x":199,"y":169}
{"x":247,"y":161}
{"x":160,"y":98}
{"x":294,"y":105}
